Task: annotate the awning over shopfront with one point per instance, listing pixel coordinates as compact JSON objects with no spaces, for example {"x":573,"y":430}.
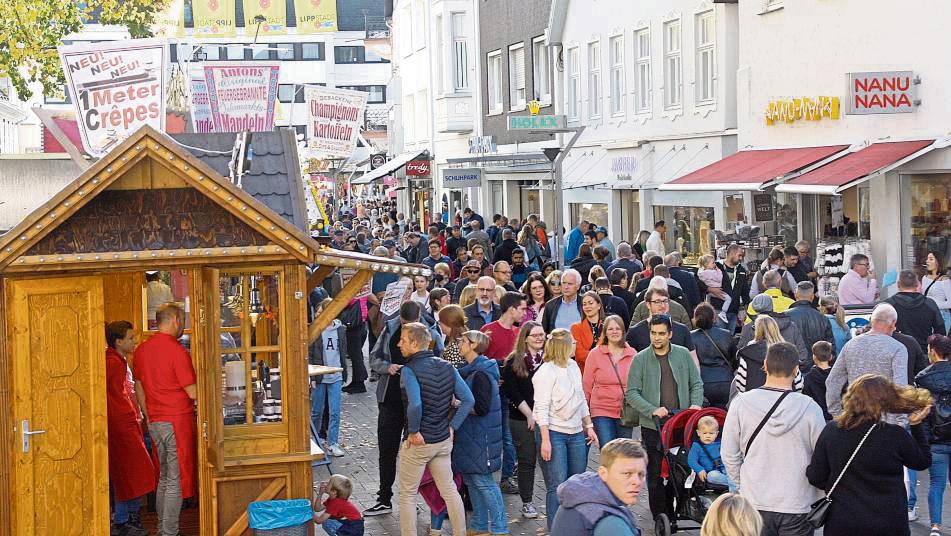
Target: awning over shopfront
{"x":857,"y":167}
{"x":390,"y":167}
{"x":752,"y":169}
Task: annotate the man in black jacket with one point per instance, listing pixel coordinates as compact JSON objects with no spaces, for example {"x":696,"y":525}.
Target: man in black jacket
{"x":619,"y":280}
{"x":918,"y":315}
{"x":735,"y":283}
{"x":484,"y":310}
{"x":612,"y":304}
{"x":565,"y":310}
{"x":813,"y":325}
{"x":455,"y":241}
{"x":686,"y":279}
{"x":503,"y":252}
{"x":627,"y":261}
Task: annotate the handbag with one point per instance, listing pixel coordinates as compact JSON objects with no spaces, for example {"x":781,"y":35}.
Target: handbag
{"x":820,"y":509}
{"x":628,"y":413}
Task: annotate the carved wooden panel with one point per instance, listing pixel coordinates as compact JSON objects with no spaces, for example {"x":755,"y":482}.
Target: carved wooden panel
{"x":139,"y":220}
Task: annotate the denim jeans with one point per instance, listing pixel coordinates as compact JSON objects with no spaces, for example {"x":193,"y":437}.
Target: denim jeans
{"x":569,"y":456}
{"x":608,"y":428}
{"x":436,"y":520}
{"x":940,"y":459}
{"x":331,"y":526}
{"x":720,"y":478}
{"x":910,"y":486}
{"x":508,"y":446}
{"x":124,"y":508}
{"x":488,"y":510}
{"x":330,"y":391}
{"x":730,"y":324}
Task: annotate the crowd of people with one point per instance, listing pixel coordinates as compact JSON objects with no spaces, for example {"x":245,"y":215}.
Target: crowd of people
{"x":501,"y":361}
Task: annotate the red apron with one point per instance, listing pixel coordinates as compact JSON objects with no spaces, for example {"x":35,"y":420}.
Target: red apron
{"x":186,"y":431}
{"x":131,"y":472}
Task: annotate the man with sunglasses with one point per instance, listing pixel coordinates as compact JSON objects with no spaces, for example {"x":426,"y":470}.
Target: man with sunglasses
{"x":471,"y":272}
{"x":658,"y":304}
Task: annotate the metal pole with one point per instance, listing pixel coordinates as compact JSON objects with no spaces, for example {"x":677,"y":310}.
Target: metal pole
{"x":557,"y":179}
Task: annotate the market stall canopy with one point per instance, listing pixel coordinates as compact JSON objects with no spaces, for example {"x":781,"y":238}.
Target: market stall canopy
{"x":752,"y":169}
{"x":388,"y":168}
{"x":857,"y":167}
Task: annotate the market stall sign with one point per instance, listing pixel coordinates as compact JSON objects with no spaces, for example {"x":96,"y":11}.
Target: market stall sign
{"x":537,"y":122}
{"x":889,"y":92}
{"x":763,"y":207}
{"x":792,"y":110}
{"x":418,"y":168}
{"x":377,"y":160}
{"x":461,"y":178}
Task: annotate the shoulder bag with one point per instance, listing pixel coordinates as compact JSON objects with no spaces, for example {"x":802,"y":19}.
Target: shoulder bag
{"x":762,"y":423}
{"x":628,"y":413}
{"x":719,"y":350}
{"x":820,"y":509}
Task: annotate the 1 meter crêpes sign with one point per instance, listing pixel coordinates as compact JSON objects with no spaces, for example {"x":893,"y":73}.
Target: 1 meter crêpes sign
{"x":116,"y":88}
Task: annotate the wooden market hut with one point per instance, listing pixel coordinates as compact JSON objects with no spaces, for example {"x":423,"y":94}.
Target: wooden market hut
{"x":237,"y":261}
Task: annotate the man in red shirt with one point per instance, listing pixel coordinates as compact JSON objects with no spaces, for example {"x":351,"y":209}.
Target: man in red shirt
{"x":504,"y":331}
{"x":131,"y":473}
{"x":165,"y":386}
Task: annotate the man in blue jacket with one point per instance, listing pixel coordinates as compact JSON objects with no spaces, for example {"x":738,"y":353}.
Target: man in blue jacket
{"x":596,"y":503}
{"x":574,"y":240}
{"x":428,"y":386}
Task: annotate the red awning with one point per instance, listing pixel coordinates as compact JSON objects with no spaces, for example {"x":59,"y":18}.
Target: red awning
{"x":856,"y":167}
{"x":751,"y":169}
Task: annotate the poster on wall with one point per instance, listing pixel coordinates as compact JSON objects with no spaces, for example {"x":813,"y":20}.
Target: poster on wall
{"x":116,"y":88}
{"x":202,"y":123}
{"x":242,"y":95}
{"x":316,"y":16}
{"x":334,"y":118}
{"x":213,"y":18}
{"x":273,"y":11}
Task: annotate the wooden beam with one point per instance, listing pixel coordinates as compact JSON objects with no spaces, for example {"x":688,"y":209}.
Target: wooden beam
{"x":241,"y":524}
{"x":318,"y":277}
{"x":341,"y":301}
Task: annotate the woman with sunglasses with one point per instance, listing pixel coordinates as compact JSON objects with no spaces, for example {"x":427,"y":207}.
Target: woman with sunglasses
{"x":605,"y":380}
{"x":477,"y":448}
{"x":554,"y":283}
{"x":538,"y":294}
{"x":517,"y":373}
{"x":563,"y":424}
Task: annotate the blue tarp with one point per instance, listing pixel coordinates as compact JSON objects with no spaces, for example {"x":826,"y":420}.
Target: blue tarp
{"x":279,"y":514}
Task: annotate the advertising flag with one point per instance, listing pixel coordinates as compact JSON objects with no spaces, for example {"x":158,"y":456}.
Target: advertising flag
{"x":334,"y":117}
{"x":170,"y":22}
{"x":213,"y":18}
{"x":275,"y":17}
{"x":116,"y":88}
{"x":316,"y":16}
{"x":202,"y":122}
{"x":242,"y":95}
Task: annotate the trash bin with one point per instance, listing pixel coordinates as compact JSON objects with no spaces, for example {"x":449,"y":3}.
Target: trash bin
{"x":280,"y":518}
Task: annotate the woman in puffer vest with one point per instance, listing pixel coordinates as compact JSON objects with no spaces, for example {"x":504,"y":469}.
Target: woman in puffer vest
{"x":477,"y":448}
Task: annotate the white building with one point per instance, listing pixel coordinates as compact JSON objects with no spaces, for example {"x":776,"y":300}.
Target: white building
{"x":654,"y":84}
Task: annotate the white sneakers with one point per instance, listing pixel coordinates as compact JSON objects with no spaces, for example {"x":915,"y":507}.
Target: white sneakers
{"x":335,"y":450}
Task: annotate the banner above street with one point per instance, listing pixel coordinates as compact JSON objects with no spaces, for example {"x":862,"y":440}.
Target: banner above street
{"x":242,"y":95}
{"x":334,"y":118}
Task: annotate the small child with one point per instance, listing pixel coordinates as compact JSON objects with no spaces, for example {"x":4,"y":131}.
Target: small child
{"x":712,"y":277}
{"x":328,"y":350}
{"x":336,"y":513}
{"x":814,"y":382}
{"x":704,"y":456}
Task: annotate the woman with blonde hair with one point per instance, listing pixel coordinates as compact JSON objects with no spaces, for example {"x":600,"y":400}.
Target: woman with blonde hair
{"x":593,"y":275}
{"x":605,"y":380}
{"x":750,"y":374}
{"x":836,"y":315}
{"x":452,"y":322}
{"x":731,"y":515}
{"x":859,"y":460}
{"x":468,"y":296}
{"x":554,"y":283}
{"x":563,"y":423}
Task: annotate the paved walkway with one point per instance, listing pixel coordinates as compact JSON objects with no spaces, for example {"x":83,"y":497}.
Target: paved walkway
{"x":358,"y":437}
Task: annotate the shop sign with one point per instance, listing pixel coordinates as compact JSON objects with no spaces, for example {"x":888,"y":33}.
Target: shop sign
{"x":482,"y":144}
{"x":763,"y":207}
{"x":334,"y":119}
{"x":799,"y":109}
{"x":624,"y":167}
{"x":242,"y":95}
{"x":116,"y":88}
{"x":537,"y":122}
{"x":389,"y":180}
{"x":377,"y":160}
{"x":202,"y":123}
{"x":454,"y":178}
{"x":889,"y":92}
{"x":418,"y":168}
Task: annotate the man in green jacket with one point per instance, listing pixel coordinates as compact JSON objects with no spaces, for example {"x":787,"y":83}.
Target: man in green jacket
{"x":663,"y":379}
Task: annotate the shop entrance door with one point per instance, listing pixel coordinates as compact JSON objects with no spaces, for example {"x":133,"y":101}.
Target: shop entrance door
{"x":61,"y":470}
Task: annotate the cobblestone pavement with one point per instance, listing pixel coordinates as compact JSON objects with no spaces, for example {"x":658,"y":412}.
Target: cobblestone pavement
{"x":358,"y":438}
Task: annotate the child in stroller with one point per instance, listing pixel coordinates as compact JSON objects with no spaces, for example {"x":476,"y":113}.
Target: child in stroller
{"x":704,"y":454}
{"x":693,"y":495}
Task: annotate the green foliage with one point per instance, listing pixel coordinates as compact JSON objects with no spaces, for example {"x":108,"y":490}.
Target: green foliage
{"x":30,"y":31}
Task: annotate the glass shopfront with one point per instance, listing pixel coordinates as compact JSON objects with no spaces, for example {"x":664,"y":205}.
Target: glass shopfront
{"x":688,"y":230}
{"x":837,"y":217}
{"x":928,"y":224}
{"x":596,"y":213}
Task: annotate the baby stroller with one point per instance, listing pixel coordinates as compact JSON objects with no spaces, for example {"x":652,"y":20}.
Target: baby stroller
{"x":692,"y":496}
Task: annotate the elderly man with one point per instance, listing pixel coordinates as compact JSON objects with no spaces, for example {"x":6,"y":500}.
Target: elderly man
{"x":686,"y":279}
{"x":813,"y":325}
{"x":677,"y":311}
{"x":627,"y":260}
{"x":484,"y":310}
{"x":573,"y":241}
{"x":658,"y":303}
{"x":502,"y":272}
{"x":565,"y":310}
{"x":601,"y":237}
{"x":858,"y":286}
{"x":771,"y":282}
{"x":478,"y":234}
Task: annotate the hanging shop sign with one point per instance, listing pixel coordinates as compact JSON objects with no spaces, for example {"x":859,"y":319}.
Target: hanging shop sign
{"x":315,"y":16}
{"x":802,"y":109}
{"x":273,"y":11}
{"x":482,"y":144}
{"x":213,"y":18}
{"x":454,"y":178}
{"x":538,"y":122}
{"x":418,"y":168}
{"x":624,"y":167}
{"x":886,"y":92}
{"x":202,"y":122}
{"x":116,"y":88}
{"x":334,"y":118}
{"x":242,"y":95}
{"x":377,"y":160}
{"x":763,"y":207}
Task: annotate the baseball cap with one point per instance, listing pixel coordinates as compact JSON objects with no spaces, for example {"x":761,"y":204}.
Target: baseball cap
{"x":762,"y":303}
{"x":601,"y":230}
{"x":389,"y":244}
{"x":473,"y":264}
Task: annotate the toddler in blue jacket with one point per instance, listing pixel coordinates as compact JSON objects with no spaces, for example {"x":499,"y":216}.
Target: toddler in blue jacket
{"x":704,"y":455}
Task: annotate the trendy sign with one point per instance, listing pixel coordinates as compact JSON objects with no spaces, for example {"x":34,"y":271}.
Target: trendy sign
{"x":242,"y":95}
{"x":892,"y":92}
{"x":334,"y":118}
{"x":461,"y":177}
{"x":537,"y":122}
{"x":200,"y":105}
{"x":418,"y":168}
{"x":116,"y":88}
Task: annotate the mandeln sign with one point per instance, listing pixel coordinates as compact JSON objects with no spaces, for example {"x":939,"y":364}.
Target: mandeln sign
{"x":242,"y":95}
{"x":334,"y":118}
{"x":116,"y":88}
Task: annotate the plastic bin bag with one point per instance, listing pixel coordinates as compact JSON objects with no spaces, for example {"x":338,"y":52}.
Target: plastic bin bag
{"x":279,"y":514}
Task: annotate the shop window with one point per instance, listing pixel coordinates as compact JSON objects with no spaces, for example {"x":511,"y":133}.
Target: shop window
{"x":161,"y":287}
{"x":929,"y":217}
{"x":735,"y":210}
{"x":312,"y":51}
{"x":596,"y":213}
{"x":688,"y":230}
{"x":234,"y":52}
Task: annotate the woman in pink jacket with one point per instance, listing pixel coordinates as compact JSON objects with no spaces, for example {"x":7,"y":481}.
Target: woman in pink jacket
{"x":605,"y":380}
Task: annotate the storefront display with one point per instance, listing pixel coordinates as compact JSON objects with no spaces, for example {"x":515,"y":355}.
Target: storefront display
{"x":689,"y":230}
{"x":596,"y":213}
{"x":832,"y":261}
{"x":929,"y":217}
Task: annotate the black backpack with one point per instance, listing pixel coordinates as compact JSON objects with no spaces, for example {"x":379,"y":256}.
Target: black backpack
{"x":941,"y":418}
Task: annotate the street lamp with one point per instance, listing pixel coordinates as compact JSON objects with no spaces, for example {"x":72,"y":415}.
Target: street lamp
{"x":258,"y":19}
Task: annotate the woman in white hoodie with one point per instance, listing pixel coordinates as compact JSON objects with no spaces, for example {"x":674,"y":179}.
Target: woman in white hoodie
{"x":564,"y":429}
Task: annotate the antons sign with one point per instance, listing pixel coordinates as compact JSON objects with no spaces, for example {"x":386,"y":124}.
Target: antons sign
{"x":890,"y":92}
{"x":537,"y":122}
{"x":418,"y":168}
